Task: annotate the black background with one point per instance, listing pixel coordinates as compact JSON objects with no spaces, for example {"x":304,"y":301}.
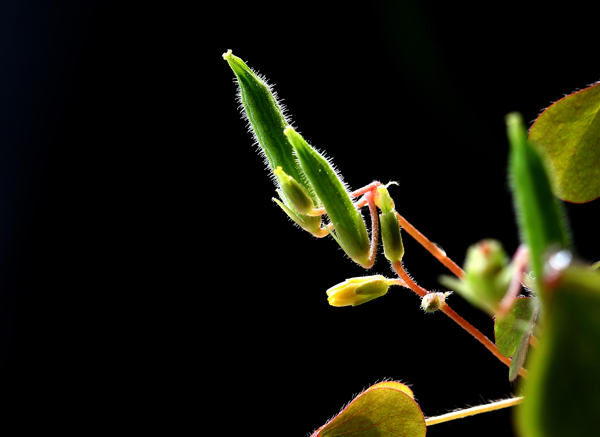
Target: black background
{"x":144,"y":266}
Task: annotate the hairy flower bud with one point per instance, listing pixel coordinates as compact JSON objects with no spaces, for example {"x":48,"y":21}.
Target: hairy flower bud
{"x":432,"y":302}
{"x":487,"y":276}
{"x":356,"y":291}
{"x":487,"y":272}
{"x":393,"y":248}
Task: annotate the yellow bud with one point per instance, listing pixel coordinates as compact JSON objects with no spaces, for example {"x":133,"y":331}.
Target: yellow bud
{"x":356,"y":291}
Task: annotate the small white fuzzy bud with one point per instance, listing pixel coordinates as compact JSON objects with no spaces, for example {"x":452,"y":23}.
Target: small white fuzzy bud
{"x":432,"y":302}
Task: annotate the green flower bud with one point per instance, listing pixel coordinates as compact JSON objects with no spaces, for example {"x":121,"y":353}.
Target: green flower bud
{"x":393,"y":248}
{"x":356,"y":291}
{"x":349,"y":227}
{"x":485,"y":268}
{"x":487,"y":275}
{"x":295,"y":192}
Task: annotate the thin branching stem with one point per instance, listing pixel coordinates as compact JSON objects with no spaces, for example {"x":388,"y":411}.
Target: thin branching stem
{"x":444,"y":259}
{"x":367,"y":188}
{"x":498,"y":405}
{"x":454,"y":316}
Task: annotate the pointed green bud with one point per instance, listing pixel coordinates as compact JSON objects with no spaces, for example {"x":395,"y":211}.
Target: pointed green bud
{"x":267,"y":119}
{"x":349,"y":227}
{"x":294,"y":192}
{"x":432,"y":302}
{"x":356,"y":291}
{"x":393,"y":248}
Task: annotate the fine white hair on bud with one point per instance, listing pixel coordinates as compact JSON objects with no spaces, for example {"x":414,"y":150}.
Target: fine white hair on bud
{"x":434,"y":301}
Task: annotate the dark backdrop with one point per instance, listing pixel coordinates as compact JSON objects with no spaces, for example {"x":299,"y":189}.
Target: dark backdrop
{"x":144,"y":266}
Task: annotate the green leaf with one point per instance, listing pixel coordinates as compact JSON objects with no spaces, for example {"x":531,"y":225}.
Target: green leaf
{"x":568,"y":134}
{"x":541,"y":222}
{"x":386,"y":409}
{"x":348,"y":223}
{"x":510,"y":328}
{"x":562,"y":393}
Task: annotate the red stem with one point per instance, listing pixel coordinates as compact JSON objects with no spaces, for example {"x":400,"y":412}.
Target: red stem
{"x":454,"y":316}
{"x":374,"y":227}
{"x":431,"y":247}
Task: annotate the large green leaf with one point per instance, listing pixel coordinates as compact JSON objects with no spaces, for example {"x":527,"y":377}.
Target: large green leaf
{"x":568,"y":133}
{"x":386,"y":409}
{"x":541,"y":222}
{"x":562,"y":393}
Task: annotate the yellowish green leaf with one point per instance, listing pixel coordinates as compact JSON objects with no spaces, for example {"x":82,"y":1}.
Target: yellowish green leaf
{"x":568,"y":134}
{"x":386,"y":409}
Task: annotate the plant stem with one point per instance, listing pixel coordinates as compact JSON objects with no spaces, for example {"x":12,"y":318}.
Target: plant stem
{"x":454,"y":316}
{"x":444,"y":259}
{"x":431,"y":247}
{"x":473,"y":411}
{"x":372,"y":186}
{"x":374,"y":227}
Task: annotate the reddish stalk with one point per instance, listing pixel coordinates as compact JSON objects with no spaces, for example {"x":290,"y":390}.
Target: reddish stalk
{"x":454,"y":316}
{"x":441,"y":256}
{"x":374,"y":227}
{"x":431,"y":247}
{"x":365,"y":189}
